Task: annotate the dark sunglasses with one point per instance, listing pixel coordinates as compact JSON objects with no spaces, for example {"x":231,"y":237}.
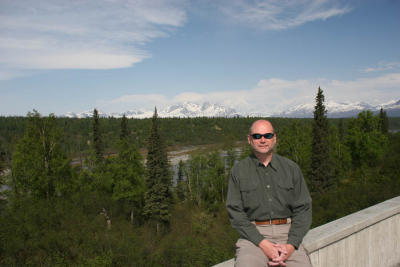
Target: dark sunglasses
{"x":266,"y":135}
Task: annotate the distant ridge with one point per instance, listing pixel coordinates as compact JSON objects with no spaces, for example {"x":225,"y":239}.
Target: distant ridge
{"x":341,"y":110}
{"x":206,"y":109}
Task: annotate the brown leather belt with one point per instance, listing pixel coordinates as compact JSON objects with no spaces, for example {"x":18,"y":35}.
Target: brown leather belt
{"x":274,"y":221}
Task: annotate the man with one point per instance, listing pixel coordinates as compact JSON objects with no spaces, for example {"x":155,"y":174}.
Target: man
{"x":268,"y":204}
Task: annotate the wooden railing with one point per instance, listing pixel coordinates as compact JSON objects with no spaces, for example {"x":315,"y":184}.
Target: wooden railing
{"x":370,"y":237}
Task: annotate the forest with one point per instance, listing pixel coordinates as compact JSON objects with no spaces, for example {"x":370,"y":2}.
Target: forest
{"x":101,"y":192}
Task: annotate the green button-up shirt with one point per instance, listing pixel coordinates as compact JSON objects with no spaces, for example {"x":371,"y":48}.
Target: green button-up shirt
{"x":259,"y":193}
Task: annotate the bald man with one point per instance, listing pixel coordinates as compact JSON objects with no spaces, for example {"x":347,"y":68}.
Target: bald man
{"x":268,"y":204}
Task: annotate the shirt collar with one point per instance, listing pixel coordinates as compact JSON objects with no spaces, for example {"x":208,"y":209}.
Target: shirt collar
{"x":273,"y":164}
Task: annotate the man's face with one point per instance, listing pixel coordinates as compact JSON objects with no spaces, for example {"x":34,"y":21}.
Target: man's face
{"x":262,"y":145}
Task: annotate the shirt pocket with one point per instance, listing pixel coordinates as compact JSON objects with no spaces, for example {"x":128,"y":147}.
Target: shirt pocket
{"x":285,"y":192}
{"x":249,"y":196}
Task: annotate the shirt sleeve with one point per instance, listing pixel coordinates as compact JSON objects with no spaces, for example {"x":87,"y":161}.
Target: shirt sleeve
{"x":237,"y":216}
{"x":302,"y":210}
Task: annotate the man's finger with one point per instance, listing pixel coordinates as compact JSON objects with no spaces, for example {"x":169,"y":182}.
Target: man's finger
{"x":274,"y":263}
{"x":281,"y":248}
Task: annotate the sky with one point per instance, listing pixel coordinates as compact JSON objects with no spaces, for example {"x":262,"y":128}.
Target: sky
{"x":60,"y":56}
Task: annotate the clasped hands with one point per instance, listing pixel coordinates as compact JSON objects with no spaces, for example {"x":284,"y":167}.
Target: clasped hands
{"x":276,"y":253}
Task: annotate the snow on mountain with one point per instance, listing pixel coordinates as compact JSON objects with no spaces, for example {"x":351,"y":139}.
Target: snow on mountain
{"x":183,"y":110}
{"x":392,"y":108}
{"x":340,"y":110}
{"x":206,"y":109}
{"x":85,"y":114}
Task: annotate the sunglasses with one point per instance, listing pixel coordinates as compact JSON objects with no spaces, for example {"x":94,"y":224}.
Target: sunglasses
{"x":266,"y":135}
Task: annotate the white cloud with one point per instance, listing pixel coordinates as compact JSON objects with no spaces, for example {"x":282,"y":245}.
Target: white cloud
{"x":67,"y":59}
{"x":274,"y":95}
{"x":88,"y":34}
{"x":279,"y":15}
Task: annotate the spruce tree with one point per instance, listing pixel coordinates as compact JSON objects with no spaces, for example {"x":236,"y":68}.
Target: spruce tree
{"x":127,"y":172}
{"x":321,"y":176}
{"x":97,"y":141}
{"x":2,"y":158}
{"x":341,"y":130}
{"x":383,"y":121}
{"x":158,"y":196}
{"x":124,"y":128}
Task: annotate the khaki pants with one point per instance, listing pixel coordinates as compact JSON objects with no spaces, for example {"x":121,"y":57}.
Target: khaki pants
{"x":249,"y":255}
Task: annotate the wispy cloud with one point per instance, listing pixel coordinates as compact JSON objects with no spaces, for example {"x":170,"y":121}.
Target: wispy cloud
{"x":273,"y":95}
{"x":283,"y":14}
{"x":101,"y":34}
{"x":384,"y":66}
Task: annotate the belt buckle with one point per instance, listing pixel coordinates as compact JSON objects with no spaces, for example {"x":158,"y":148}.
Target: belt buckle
{"x":270,"y":221}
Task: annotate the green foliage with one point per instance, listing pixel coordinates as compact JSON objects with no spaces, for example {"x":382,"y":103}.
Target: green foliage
{"x":124,"y":128}
{"x":383,"y":121}
{"x":39,"y":166}
{"x":158,"y":197}
{"x":181,"y":182}
{"x":71,"y":229}
{"x":369,"y":172}
{"x":294,"y":142}
{"x":127,"y":172}
{"x":321,"y":172}
{"x":196,"y":238}
{"x":340,"y":154}
{"x":207,"y":179}
{"x":97,"y":139}
{"x":365,"y":140}
{"x":2,"y":159}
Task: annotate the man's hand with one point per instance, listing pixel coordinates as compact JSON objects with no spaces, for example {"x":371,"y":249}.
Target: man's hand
{"x":276,"y":253}
{"x":285,"y":250}
{"x":270,"y":249}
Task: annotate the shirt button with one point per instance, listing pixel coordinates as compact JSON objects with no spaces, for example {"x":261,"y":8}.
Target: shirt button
{"x":270,"y":199}
{"x":268,"y":186}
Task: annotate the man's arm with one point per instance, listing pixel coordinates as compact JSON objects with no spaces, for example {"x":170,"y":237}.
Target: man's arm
{"x":302,"y":210}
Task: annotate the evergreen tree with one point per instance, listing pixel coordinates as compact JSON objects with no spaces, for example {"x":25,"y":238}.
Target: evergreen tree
{"x":321,"y":174}
{"x":97,"y":140}
{"x":158,"y":196}
{"x":128,"y":171}
{"x":2,"y":158}
{"x":341,"y":130}
{"x":124,"y":128}
{"x":383,"y":121}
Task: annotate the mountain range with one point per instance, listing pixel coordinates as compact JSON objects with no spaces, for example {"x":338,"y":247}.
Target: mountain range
{"x":206,"y":109}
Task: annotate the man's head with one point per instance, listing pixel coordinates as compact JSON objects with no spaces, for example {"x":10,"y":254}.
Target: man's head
{"x":262,"y":137}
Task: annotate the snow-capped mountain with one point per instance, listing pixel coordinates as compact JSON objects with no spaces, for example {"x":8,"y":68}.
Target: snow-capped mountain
{"x":206,"y":109}
{"x":341,"y":110}
{"x":85,"y":114}
{"x":182,"y":110}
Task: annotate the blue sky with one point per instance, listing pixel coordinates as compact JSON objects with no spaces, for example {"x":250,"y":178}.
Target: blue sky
{"x":255,"y":56}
